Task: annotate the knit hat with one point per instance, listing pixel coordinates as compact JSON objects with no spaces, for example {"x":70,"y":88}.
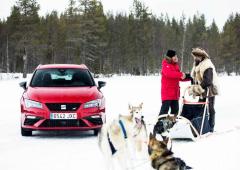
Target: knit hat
{"x":199,"y":52}
{"x":171,"y":53}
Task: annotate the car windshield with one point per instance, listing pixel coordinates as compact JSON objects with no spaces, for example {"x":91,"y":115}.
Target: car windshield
{"x":62,"y":77}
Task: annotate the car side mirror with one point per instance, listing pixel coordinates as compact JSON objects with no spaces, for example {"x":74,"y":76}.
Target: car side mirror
{"x":101,"y":84}
{"x":23,"y":85}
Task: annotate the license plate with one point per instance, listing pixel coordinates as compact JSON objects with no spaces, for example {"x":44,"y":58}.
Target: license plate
{"x":63,"y":116}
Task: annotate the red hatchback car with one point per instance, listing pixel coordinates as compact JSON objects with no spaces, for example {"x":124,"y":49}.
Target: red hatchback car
{"x":62,"y":97}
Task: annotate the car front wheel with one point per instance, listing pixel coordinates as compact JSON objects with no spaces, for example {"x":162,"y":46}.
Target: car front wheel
{"x":95,"y":132}
{"x":25,"y":132}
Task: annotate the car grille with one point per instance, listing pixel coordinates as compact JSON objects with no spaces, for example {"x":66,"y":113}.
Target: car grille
{"x":63,"y":123}
{"x":63,"y":106}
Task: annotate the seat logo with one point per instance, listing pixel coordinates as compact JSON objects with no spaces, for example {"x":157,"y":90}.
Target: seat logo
{"x":63,"y":107}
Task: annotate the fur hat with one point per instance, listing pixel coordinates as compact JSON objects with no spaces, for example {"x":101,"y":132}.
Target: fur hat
{"x":171,"y":53}
{"x":199,"y":52}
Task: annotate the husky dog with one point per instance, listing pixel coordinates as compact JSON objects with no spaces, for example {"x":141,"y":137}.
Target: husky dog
{"x":164,"y":124}
{"x":161,"y":157}
{"x":123,"y":138}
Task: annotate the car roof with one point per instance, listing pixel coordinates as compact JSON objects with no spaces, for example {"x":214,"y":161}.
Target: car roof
{"x":47,"y":66}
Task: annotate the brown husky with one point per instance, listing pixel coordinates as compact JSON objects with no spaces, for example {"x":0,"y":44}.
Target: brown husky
{"x":161,"y":157}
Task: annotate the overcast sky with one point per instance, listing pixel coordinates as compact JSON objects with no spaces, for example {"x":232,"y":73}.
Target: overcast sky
{"x":219,"y":10}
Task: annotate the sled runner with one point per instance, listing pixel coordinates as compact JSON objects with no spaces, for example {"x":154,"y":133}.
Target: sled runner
{"x":191,"y":121}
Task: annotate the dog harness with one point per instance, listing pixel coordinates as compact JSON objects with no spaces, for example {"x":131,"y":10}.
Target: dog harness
{"x":167,"y":157}
{"x":113,"y":149}
{"x":161,"y":162}
{"x":123,"y":129}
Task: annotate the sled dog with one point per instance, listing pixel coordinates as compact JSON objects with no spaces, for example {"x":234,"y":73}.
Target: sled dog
{"x":164,"y":124}
{"x":123,"y":138}
{"x":161,"y":157}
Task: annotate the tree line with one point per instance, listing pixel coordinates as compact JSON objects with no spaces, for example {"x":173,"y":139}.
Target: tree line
{"x":110,"y":43}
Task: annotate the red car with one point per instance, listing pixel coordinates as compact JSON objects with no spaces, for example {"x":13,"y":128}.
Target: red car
{"x":62,"y":97}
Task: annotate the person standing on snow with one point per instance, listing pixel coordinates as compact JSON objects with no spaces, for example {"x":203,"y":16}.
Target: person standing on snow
{"x":170,"y":90}
{"x":204,"y":76}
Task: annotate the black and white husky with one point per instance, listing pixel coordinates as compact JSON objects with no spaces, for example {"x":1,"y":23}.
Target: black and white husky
{"x":123,"y":139}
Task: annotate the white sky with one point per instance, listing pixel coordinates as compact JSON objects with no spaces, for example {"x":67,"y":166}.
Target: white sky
{"x":219,"y":10}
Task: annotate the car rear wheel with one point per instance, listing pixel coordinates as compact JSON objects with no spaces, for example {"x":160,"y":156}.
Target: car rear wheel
{"x":25,"y":132}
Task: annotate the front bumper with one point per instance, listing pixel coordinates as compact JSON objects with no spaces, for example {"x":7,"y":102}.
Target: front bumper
{"x":85,"y":123}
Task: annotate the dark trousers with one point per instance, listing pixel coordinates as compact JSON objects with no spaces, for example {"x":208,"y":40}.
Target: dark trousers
{"x":211,"y":112}
{"x":166,"y":104}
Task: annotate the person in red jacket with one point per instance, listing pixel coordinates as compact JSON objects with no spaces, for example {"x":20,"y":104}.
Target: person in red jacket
{"x":170,"y":90}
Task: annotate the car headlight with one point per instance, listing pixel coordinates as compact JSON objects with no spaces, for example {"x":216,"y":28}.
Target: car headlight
{"x":32,"y":104}
{"x":93,"y":103}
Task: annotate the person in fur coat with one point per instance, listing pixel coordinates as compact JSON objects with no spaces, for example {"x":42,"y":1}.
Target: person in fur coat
{"x":205,"y":77}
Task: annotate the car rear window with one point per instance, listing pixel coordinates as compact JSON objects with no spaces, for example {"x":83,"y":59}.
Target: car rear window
{"x":62,"y":77}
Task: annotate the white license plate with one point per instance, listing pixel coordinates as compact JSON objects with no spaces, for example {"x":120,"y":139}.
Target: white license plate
{"x":63,"y":116}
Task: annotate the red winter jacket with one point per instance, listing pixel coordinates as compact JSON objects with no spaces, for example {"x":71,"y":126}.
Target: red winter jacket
{"x":171,"y":76}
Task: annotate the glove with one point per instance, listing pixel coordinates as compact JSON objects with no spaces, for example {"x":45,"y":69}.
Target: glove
{"x":188,"y":76}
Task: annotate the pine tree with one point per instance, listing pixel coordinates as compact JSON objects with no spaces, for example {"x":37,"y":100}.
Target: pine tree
{"x":14,"y":35}
{"x":92,"y":34}
{"x":230,"y":45}
{"x":143,"y":35}
{"x":28,"y":40}
{"x":213,"y":44}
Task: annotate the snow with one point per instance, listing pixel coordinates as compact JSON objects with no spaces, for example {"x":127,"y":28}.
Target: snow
{"x":79,"y":150}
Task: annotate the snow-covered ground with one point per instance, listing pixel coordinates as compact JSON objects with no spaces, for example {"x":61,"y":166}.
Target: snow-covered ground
{"x":79,"y":150}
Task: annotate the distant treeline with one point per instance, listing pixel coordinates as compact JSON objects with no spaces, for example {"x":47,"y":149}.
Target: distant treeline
{"x":132,"y":43}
